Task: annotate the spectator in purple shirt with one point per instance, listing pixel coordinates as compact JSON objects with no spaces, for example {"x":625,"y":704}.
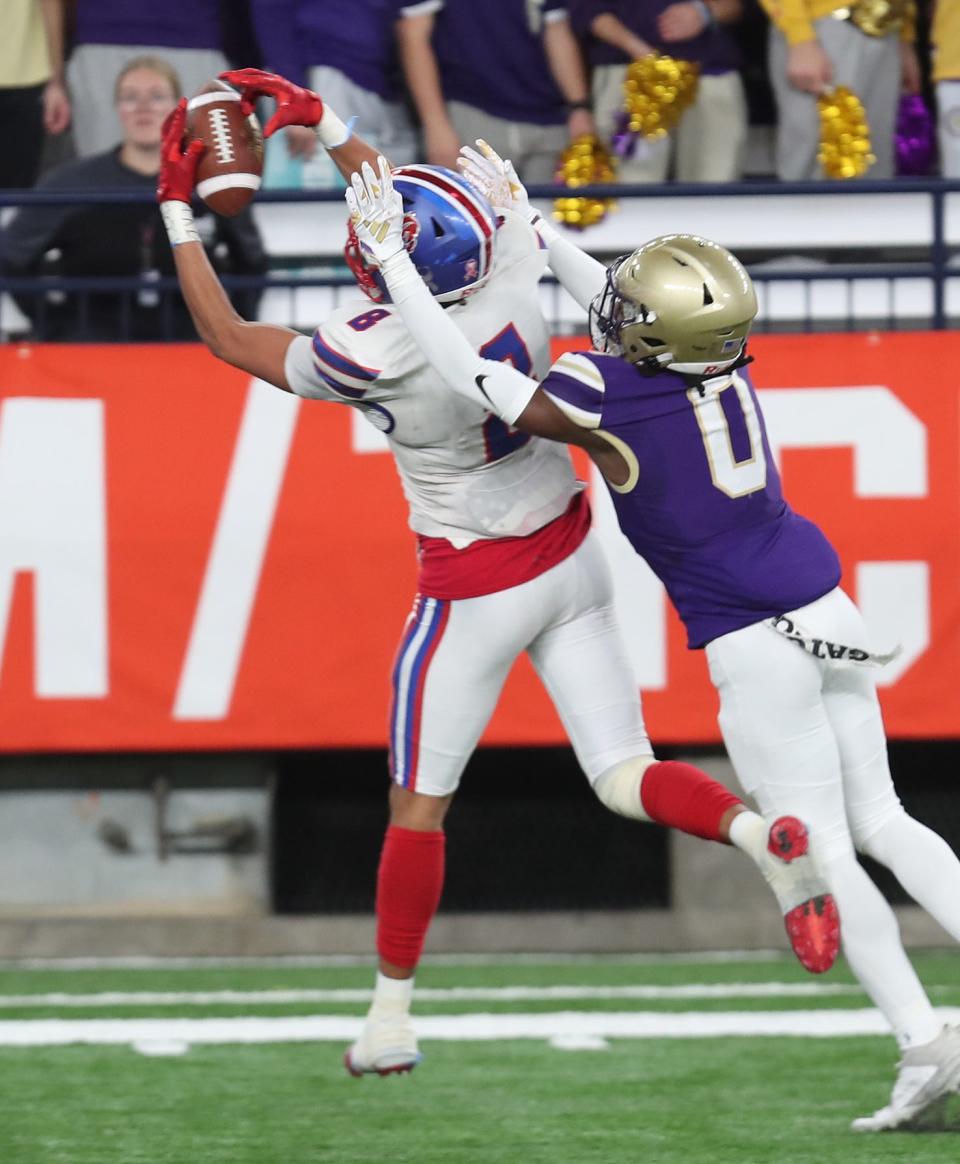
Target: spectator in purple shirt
{"x":513,"y":76}
{"x":347,"y":53}
{"x":110,"y":33}
{"x":708,"y":144}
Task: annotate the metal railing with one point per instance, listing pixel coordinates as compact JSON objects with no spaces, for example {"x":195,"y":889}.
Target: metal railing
{"x":858,"y":286}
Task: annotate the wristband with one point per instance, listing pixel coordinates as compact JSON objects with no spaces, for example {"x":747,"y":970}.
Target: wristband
{"x":331,"y":130}
{"x":178,"y":219}
{"x":704,"y":9}
{"x":573,"y":105}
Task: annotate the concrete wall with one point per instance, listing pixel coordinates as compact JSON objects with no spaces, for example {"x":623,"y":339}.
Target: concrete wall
{"x":64,"y":892}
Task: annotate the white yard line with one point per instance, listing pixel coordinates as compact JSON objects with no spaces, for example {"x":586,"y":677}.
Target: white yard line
{"x":459,"y":1028}
{"x":320,"y":961}
{"x":431,"y":994}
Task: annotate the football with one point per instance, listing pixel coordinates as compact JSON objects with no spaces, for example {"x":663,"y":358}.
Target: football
{"x":230,"y":167}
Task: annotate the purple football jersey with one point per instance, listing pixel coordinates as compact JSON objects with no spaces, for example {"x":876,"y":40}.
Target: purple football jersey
{"x":492,"y":56}
{"x":357,"y":39}
{"x":714,"y":49}
{"x":174,"y":24}
{"x":706,"y":510}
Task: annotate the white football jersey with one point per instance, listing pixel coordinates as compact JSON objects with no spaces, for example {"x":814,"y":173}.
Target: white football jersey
{"x":465,"y":474}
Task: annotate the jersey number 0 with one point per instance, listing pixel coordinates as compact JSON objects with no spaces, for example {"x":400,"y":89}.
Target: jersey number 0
{"x":735,"y":478}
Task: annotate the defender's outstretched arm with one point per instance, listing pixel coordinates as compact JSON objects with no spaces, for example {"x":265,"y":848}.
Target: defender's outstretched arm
{"x":579,"y":273}
{"x":377,"y":214}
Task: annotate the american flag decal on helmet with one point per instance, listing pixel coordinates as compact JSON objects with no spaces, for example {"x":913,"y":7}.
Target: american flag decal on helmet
{"x":410,"y":232}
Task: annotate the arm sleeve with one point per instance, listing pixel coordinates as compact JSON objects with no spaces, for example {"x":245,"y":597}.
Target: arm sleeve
{"x":579,"y":273}
{"x":419,"y":8}
{"x":908,"y":30}
{"x":792,"y":18}
{"x":494,"y":386}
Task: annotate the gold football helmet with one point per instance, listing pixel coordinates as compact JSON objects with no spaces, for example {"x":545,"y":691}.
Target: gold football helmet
{"x":680,"y":302}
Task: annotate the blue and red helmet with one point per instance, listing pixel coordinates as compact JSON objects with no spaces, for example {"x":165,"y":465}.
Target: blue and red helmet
{"x":448,"y":230}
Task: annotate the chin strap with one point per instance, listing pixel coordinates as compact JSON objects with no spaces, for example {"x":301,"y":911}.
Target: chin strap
{"x":697,"y":379}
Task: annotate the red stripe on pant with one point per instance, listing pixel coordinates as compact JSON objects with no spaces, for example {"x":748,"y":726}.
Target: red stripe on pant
{"x":409,"y":885}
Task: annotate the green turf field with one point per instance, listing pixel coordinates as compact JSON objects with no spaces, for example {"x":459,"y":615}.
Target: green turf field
{"x":692,"y":1100}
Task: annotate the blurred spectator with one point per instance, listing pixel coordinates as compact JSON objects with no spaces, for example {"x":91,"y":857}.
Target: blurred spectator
{"x":32,"y":94}
{"x":109,"y":33}
{"x":514,"y":78}
{"x":347,"y":54}
{"x":818,"y":44}
{"x":946,"y":76}
{"x":708,"y":144}
{"x":120,"y":239}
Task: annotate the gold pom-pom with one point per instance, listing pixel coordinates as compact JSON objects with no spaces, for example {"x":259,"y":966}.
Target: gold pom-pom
{"x":585,"y":162}
{"x":656,"y":91}
{"x":844,"y":134}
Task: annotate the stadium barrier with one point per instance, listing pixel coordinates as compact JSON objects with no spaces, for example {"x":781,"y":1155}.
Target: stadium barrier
{"x":825,"y":256}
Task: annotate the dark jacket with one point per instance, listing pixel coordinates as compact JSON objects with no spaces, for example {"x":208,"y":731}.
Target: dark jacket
{"x":116,"y":239}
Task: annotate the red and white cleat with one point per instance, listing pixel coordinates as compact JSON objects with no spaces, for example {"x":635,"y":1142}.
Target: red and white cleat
{"x":809,"y":910}
{"x":387,"y":1046}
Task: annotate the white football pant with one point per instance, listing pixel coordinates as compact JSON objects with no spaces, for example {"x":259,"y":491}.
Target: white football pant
{"x":455,"y":655}
{"x":806,"y":737}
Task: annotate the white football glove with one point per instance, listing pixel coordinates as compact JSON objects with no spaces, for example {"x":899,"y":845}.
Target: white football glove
{"x":376,"y":210}
{"x":496,"y":179}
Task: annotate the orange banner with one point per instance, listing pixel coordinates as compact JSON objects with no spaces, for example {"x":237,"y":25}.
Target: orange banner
{"x":192,"y":560}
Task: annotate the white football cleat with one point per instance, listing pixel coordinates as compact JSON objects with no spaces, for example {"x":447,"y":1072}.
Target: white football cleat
{"x":809,"y":910}
{"x":387,"y":1046}
{"x":926,"y":1077}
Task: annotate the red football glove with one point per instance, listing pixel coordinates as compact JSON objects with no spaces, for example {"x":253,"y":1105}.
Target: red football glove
{"x":178,"y":165}
{"x":295,"y":105}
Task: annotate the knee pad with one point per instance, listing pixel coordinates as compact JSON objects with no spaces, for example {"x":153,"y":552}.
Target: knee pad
{"x":619,"y":787}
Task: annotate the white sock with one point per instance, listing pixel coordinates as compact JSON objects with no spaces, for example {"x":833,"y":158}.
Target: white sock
{"x":925,"y":866}
{"x":392,"y":994}
{"x":871,"y":943}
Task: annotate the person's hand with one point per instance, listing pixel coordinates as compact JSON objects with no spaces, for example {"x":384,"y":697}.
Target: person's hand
{"x":495,"y":178}
{"x":178,"y":161}
{"x":441,"y":144}
{"x":56,"y":107}
{"x":295,"y":105}
{"x":809,"y":67}
{"x":910,"y":74}
{"x":376,"y":210}
{"x":681,"y":21}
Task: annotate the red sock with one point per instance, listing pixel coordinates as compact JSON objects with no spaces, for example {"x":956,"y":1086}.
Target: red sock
{"x":409,"y":884}
{"x":682,"y":797}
